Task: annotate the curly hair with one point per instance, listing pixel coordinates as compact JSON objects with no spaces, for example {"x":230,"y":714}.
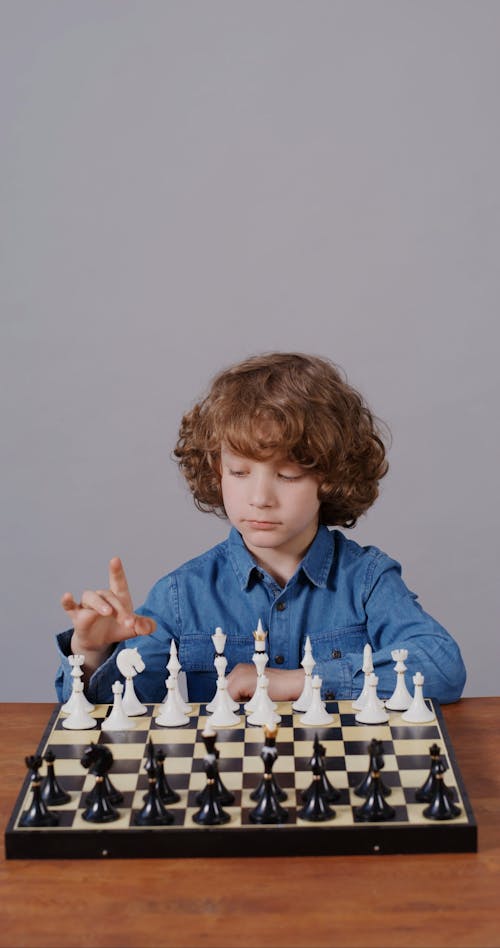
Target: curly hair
{"x":300,"y":406}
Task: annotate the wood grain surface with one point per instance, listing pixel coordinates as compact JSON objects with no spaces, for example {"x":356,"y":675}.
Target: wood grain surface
{"x":346,"y":902}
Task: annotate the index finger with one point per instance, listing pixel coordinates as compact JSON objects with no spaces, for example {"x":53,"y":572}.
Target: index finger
{"x":118,"y":581}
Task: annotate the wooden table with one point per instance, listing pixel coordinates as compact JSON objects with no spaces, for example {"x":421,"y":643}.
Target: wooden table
{"x":342,"y":901}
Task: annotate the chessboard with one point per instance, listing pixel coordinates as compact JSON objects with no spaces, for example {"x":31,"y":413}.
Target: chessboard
{"x":406,"y":767}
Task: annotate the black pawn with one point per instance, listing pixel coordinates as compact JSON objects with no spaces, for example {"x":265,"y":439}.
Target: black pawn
{"x":363,"y":789}
{"x":110,"y":792}
{"x":98,"y":760}
{"x":211,"y":812}
{"x":100,"y":810}
{"x":426,"y":792}
{"x":316,"y":809}
{"x":224,"y":796}
{"x":329,"y":793}
{"x":375,"y":808}
{"x":153,"y":812}
{"x":440,"y":806}
{"x":166,"y":793}
{"x":52,"y":792}
{"x":268,"y":809}
{"x":37,"y":814}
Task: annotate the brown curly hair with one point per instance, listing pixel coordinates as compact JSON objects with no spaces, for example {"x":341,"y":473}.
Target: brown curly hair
{"x":300,"y":406}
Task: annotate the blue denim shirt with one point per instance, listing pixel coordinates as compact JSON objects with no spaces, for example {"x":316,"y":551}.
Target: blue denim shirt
{"x":342,"y":595}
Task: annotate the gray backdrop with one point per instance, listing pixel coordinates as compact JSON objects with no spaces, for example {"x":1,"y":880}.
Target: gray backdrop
{"x":186,"y":183}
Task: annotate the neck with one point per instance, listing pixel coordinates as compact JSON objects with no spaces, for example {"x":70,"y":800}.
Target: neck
{"x":281,"y":564}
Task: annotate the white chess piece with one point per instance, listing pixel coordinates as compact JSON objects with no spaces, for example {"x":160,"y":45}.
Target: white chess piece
{"x":373,"y":711}
{"x":76,"y":662}
{"x":304,"y":700}
{"x":220,"y":663}
{"x":174,"y":669}
{"x":400,"y":699}
{"x":129,"y":663}
{"x":223,"y":715}
{"x":418,"y":712}
{"x":359,"y":703}
{"x":264,"y":711}
{"x":170,"y":713}
{"x":118,"y":719}
{"x":219,"y":640}
{"x":79,"y":718}
{"x":260,"y":659}
{"x":316,"y":713}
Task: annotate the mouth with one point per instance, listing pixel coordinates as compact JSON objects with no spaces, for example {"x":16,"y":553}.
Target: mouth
{"x":262,"y":524}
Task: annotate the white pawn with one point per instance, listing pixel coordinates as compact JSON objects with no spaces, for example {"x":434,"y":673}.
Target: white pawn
{"x":400,"y":699}
{"x":304,"y":700}
{"x":223,"y":715}
{"x":418,"y":712}
{"x":79,"y":718}
{"x":129,"y":663}
{"x":174,"y":669}
{"x":373,"y":711}
{"x":76,"y":662}
{"x":264,"y":711}
{"x":220,"y":663}
{"x":118,"y":719}
{"x":316,"y":713}
{"x":171,"y":714}
{"x":359,"y":703}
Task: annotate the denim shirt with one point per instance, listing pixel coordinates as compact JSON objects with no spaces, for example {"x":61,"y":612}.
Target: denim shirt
{"x":342,"y":596}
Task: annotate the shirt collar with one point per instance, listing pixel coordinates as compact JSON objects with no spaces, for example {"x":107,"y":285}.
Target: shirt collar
{"x":316,"y":563}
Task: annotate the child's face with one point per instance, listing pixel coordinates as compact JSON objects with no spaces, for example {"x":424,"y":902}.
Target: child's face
{"x":273,"y":503}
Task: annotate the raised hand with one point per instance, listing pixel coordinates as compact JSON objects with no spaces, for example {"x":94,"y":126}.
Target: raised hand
{"x":104,"y":616}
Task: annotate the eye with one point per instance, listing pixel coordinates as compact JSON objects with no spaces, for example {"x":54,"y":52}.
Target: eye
{"x":290,"y":477}
{"x":236,"y":473}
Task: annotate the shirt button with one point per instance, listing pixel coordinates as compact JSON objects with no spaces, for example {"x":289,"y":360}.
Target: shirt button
{"x":281,"y":606}
{"x":336,"y":653}
{"x":279,"y":659}
{"x":329,"y":696}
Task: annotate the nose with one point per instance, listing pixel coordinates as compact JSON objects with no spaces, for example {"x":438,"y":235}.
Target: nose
{"x":261,"y":491}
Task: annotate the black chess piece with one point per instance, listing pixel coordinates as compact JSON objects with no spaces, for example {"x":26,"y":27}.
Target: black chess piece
{"x":441,"y":807}
{"x":426,"y":792}
{"x":262,"y":787}
{"x":316,"y":808}
{"x":98,"y":760}
{"x":110,"y":792}
{"x":375,"y":808}
{"x":363,"y":789}
{"x":153,"y":812}
{"x":329,"y":793}
{"x":269,"y":809}
{"x":52,"y":792}
{"x":211,"y":812}
{"x":224,"y":796}
{"x":38,"y":814}
{"x":166,"y":793}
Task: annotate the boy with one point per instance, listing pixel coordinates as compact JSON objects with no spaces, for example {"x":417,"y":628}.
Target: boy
{"x":284,"y":448}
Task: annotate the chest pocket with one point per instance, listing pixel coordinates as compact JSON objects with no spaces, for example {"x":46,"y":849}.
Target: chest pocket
{"x":197,"y":652}
{"x":337,"y":643}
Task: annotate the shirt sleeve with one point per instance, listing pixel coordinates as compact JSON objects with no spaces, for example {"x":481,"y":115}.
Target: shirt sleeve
{"x":396,"y":620}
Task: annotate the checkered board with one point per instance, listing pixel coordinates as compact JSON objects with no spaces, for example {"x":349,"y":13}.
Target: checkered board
{"x":406,"y":754}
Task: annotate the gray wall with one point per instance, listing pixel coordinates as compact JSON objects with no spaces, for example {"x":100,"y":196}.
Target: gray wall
{"x":186,"y":183}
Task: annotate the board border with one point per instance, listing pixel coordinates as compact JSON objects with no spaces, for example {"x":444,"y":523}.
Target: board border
{"x":247,"y":841}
